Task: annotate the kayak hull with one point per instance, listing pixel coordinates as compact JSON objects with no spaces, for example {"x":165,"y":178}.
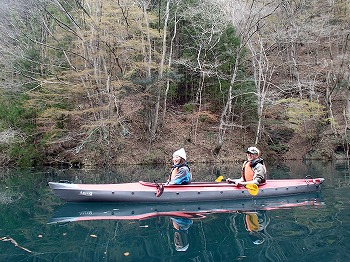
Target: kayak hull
{"x":143,"y":192}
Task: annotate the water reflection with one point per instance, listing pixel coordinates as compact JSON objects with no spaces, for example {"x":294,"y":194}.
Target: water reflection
{"x":37,"y":226}
{"x":185,"y":225}
{"x":181,"y":226}
{"x":256,"y":223}
{"x":71,"y":212}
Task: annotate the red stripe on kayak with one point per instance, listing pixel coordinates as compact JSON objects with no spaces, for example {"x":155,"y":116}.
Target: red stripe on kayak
{"x":268,"y":184}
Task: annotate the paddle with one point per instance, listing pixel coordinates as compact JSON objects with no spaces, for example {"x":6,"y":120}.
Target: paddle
{"x":219,"y":179}
{"x":160,"y":189}
{"x":253,"y":189}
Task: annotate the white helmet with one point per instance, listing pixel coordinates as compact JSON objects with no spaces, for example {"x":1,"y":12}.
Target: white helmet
{"x":181,"y":153}
{"x":253,"y":150}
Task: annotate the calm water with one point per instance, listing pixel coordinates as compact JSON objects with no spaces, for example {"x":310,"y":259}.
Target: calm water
{"x":37,"y":226}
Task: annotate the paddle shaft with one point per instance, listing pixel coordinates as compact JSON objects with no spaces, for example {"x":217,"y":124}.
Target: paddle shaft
{"x":252,"y":188}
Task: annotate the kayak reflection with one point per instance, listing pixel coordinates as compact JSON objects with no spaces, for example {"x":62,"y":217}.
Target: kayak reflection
{"x":182,"y":216}
{"x":70,"y":212}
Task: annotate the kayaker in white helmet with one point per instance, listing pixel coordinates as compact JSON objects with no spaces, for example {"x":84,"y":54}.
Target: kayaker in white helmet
{"x":180,"y":173}
{"x":253,"y":170}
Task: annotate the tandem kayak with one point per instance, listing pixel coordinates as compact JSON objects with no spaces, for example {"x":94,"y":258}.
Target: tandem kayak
{"x":147,"y":192}
{"x":73,"y":212}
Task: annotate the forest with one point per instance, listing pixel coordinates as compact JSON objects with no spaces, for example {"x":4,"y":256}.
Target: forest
{"x":108,"y":82}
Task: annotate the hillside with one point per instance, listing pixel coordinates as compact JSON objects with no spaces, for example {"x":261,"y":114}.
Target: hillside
{"x":102,"y":82}
{"x":179,"y":131}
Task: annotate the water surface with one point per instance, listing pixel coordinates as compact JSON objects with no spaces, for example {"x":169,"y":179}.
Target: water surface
{"x":302,"y":228}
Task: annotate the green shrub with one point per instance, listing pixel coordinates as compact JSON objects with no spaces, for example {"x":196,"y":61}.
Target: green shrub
{"x":189,"y":108}
{"x":13,"y":115}
{"x":25,"y":155}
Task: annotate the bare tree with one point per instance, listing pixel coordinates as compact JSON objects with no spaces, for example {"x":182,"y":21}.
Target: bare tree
{"x":171,"y":48}
{"x":207,"y":28}
{"x":247,"y":17}
{"x":313,"y":37}
{"x":263,"y":73}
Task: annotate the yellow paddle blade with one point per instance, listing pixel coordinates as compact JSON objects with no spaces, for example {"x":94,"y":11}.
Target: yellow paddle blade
{"x":219,"y":179}
{"x":252,"y":189}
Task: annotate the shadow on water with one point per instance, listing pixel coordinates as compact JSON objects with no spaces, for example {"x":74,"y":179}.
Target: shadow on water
{"x":37,"y":226}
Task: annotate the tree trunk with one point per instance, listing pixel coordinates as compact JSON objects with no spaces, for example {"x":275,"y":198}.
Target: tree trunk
{"x":169,"y":65}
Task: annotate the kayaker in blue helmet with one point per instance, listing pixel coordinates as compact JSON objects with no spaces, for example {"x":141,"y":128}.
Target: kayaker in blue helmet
{"x":253,"y":170}
{"x":180,"y":173}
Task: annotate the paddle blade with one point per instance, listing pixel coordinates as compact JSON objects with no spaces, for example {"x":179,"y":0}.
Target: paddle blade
{"x":219,"y":179}
{"x":252,"y":189}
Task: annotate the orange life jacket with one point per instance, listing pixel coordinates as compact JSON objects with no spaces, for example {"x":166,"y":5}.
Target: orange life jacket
{"x":247,"y":172}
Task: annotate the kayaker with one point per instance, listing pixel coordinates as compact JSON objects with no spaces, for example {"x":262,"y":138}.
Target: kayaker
{"x":180,"y":173}
{"x":253,"y":170}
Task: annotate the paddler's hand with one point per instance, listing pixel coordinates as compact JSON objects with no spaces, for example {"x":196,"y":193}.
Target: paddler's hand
{"x":230,"y":181}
